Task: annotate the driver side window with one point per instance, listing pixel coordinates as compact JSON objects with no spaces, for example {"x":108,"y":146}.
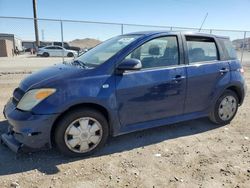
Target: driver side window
{"x":159,"y":52}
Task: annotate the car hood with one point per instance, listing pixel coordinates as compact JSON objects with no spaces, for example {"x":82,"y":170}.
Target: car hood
{"x":53,"y":73}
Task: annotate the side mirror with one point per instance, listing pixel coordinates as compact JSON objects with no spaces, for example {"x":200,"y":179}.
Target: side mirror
{"x":129,"y":64}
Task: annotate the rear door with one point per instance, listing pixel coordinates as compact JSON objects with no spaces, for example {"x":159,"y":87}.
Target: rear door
{"x":156,"y":91}
{"x":59,"y":51}
{"x":51,"y":50}
{"x":205,"y":70}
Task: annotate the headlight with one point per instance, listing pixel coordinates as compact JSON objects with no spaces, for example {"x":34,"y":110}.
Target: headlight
{"x":33,"y":97}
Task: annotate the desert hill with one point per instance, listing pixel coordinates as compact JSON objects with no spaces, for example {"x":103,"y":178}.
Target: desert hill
{"x":85,"y":43}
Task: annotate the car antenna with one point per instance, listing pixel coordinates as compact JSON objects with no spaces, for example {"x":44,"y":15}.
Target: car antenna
{"x":203,"y":21}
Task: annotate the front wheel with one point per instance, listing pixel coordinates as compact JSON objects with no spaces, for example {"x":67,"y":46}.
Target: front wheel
{"x":81,"y":132}
{"x":45,"y":54}
{"x":70,"y":54}
{"x":225,"y":108}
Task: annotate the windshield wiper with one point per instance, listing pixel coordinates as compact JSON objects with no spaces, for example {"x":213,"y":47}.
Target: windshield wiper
{"x":78,"y":62}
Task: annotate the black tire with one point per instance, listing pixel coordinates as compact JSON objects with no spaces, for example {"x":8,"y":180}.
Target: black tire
{"x":214,"y":114}
{"x":70,"y":117}
{"x":45,"y":54}
{"x":70,"y":54}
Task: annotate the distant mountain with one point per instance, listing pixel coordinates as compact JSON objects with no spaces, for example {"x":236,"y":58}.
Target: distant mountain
{"x":85,"y":43}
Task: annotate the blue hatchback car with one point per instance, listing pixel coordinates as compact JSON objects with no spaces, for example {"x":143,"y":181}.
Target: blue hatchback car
{"x":127,"y":83}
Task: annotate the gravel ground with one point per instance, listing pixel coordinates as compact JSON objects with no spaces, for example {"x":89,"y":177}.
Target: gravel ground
{"x":189,"y":154}
{"x":27,"y":63}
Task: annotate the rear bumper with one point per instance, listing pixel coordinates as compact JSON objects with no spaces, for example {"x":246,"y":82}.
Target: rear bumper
{"x":27,"y":131}
{"x":245,"y":90}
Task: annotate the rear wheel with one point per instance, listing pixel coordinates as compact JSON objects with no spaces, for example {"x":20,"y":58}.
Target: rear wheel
{"x":225,"y":108}
{"x":81,"y":132}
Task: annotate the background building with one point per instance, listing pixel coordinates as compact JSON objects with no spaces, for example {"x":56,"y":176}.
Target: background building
{"x":9,"y":42}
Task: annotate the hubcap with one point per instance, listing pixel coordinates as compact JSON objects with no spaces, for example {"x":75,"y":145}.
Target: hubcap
{"x":227,"y":108}
{"x":83,"y":135}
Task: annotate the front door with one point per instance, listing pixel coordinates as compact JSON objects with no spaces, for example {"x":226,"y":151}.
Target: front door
{"x":156,"y":91}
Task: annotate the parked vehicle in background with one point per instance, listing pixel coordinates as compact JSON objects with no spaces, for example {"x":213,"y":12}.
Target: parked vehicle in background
{"x":28,"y":45}
{"x":128,"y":83}
{"x":56,"y":51}
{"x":67,"y":46}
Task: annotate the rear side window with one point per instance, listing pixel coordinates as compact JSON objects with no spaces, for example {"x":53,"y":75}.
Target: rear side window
{"x":50,"y":48}
{"x":201,"y":49}
{"x":228,"y":49}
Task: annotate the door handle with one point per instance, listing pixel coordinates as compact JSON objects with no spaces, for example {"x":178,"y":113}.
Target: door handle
{"x":224,"y":70}
{"x":178,"y":78}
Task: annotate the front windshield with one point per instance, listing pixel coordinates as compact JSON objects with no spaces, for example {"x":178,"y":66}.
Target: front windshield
{"x":105,"y":50}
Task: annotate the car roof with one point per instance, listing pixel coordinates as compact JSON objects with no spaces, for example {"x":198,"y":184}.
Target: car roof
{"x":52,"y":46}
{"x":176,"y":32}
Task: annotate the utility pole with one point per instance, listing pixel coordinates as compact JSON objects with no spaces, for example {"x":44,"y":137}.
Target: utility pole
{"x":35,"y":24}
{"x":43,"y":35}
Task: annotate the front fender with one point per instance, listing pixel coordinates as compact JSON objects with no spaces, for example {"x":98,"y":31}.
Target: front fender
{"x":99,"y":90}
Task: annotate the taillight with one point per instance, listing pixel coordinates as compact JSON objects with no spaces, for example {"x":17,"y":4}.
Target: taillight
{"x":241,"y":70}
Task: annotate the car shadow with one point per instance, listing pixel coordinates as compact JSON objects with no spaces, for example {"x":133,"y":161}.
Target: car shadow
{"x":47,"y":161}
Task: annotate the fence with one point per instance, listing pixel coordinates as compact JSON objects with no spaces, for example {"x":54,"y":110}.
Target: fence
{"x":17,"y":34}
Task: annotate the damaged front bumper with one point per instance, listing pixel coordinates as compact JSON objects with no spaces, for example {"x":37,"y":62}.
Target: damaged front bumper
{"x":9,"y":140}
{"x":27,"y":131}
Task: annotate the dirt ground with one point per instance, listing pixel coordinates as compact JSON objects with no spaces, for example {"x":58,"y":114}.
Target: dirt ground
{"x":189,"y":154}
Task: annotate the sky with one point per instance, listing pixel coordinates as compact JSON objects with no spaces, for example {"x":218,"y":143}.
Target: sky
{"x":222,"y":14}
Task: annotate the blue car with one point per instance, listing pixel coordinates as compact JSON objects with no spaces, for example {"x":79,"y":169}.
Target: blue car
{"x":127,"y":83}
